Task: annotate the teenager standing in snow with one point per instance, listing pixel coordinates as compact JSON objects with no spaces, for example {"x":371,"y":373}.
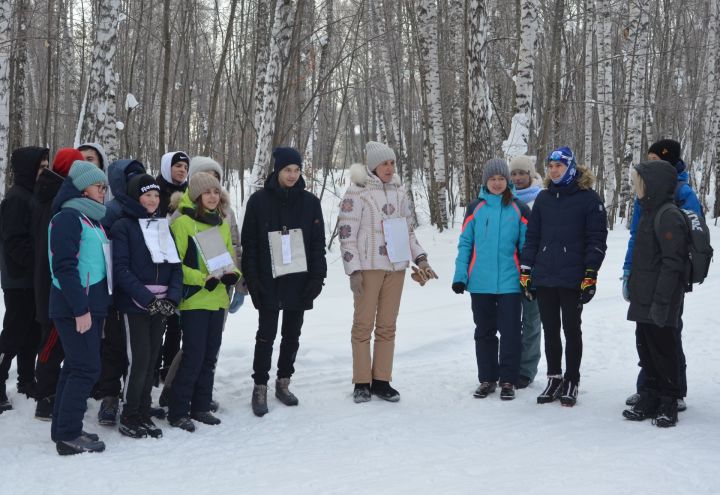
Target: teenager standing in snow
{"x":374,"y":201}
{"x":282,"y":205}
{"x":565,"y":246}
{"x":491,"y":238}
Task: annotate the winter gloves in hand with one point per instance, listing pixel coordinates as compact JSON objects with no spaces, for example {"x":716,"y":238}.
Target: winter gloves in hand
{"x":313,"y":288}
{"x":211,"y":283}
{"x":154,"y":307}
{"x":426,"y":270}
{"x":237,"y":301}
{"x":356,"y":283}
{"x":588,"y":286}
{"x":230,"y":278}
{"x":458,"y":287}
{"x":625,"y":288}
{"x":526,"y":282}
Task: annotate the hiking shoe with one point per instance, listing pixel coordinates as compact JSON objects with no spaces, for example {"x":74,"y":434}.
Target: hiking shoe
{"x":507,"y":391}
{"x":484,"y":389}
{"x":206,"y":418}
{"x":383,"y":390}
{"x":79,"y":445}
{"x":283,"y":394}
{"x":632,"y":400}
{"x":259,"y":400}
{"x":522,"y":382}
{"x":667,"y":415}
{"x":214,"y":405}
{"x":184,"y":423}
{"x":5,"y":404}
{"x":645,"y":407}
{"x":681,"y":404}
{"x":107,"y":415}
{"x":131,"y":426}
{"x":552,"y":391}
{"x":361,"y":393}
{"x":568,"y":398}
{"x":151,"y":428}
{"x":44,"y":408}
{"x":27,"y":389}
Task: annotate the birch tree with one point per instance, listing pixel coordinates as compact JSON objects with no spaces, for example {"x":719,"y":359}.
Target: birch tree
{"x":18,"y":82}
{"x":589,"y":110}
{"x":605,"y":97}
{"x":5,"y":35}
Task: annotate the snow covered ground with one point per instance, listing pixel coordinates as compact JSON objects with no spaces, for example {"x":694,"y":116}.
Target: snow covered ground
{"x":437,"y":439}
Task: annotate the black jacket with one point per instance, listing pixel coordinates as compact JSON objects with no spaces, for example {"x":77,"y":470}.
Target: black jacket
{"x":167,"y":189}
{"x":656,"y":284}
{"x":271,"y":209}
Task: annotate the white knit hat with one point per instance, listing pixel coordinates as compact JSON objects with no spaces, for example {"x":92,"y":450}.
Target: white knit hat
{"x":377,"y":153}
{"x":204,"y":164}
{"x":524,"y":163}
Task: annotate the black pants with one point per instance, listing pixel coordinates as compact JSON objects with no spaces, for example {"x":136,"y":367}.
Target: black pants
{"x":113,"y":357}
{"x":561,"y":307}
{"x":20,"y":335}
{"x":171,"y":344}
{"x":144,"y":336}
{"x":682,"y":364}
{"x":495,"y":313}
{"x":49,"y":359}
{"x":657,"y":348}
{"x":290,"y":342}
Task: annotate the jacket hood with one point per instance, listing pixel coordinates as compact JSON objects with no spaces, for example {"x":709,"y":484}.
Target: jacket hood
{"x":660,"y":179}
{"x":118,"y":175}
{"x":100,"y":151}
{"x":584,"y":179}
{"x":47,"y":186}
{"x":165,"y":165}
{"x":360,"y":175}
{"x":25,"y":163}
{"x":66,"y":192}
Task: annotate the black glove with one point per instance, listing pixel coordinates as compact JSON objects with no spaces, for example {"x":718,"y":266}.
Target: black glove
{"x":313,"y":288}
{"x":526,"y":283}
{"x":459,"y":287}
{"x":230,"y":278}
{"x":167,"y":307}
{"x":211,"y":283}
{"x":154,"y":307}
{"x":588,"y":286}
{"x":659,"y":314}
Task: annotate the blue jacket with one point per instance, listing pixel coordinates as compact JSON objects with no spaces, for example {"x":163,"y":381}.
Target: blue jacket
{"x":118,"y":173}
{"x":685,"y":197}
{"x":566,"y":234}
{"x":491,"y":238}
{"x":133,"y":267}
{"x":77,"y":261}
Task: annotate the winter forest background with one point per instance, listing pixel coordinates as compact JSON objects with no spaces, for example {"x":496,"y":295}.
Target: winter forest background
{"x":447,"y":83}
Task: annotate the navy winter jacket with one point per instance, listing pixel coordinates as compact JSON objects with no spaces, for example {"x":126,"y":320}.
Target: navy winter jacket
{"x":566,"y":234}
{"x":118,"y":173}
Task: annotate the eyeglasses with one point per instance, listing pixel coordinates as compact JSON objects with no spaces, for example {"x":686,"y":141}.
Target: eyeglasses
{"x":101,"y":187}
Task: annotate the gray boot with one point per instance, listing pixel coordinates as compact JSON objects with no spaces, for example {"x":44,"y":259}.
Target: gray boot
{"x":283,"y":394}
{"x":79,"y":445}
{"x":259,"y":400}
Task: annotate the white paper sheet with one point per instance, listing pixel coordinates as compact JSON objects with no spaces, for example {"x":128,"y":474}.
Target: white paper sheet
{"x":397,"y":239}
{"x":159,"y":241}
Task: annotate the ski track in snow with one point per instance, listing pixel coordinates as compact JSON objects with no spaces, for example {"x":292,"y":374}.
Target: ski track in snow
{"x":437,"y":439}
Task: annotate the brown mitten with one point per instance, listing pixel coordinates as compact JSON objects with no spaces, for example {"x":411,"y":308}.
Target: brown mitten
{"x":418,"y":276}
{"x":427,"y":270}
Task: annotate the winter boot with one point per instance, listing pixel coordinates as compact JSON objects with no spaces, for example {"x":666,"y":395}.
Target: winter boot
{"x":184,"y":423}
{"x":152,"y":430}
{"x":383,"y":390}
{"x":107,"y":415}
{"x":552,"y":391}
{"x":79,"y":445}
{"x":568,"y":398}
{"x":132,"y":427}
{"x":27,"y":389}
{"x":214,"y":405}
{"x":206,"y":418}
{"x":632,"y":400}
{"x":522,"y":382}
{"x":507,"y":391}
{"x":5,"y":404}
{"x":645,"y":407}
{"x":259,"y":400}
{"x":283,"y":394}
{"x":485,"y":389}
{"x":44,"y":408}
{"x":361,"y":393}
{"x":667,"y":415}
{"x":681,"y":404}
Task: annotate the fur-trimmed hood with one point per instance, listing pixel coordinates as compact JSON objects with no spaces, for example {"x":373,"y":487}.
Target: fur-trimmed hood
{"x":585,"y":179}
{"x":361,"y":176}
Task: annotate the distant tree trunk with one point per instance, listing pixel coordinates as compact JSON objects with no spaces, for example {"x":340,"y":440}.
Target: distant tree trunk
{"x":457,"y":49}
{"x":589,"y":107}
{"x":18,"y":82}
{"x":547,"y":133}
{"x":477,"y":135}
{"x":165,"y":76}
{"x":605,"y":97}
{"x":5,"y":36}
{"x":711,"y":151}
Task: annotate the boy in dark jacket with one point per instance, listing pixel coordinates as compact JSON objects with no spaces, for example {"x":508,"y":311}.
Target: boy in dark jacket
{"x":21,"y":333}
{"x":564,"y":248}
{"x":657,"y":291}
{"x":282,"y":204}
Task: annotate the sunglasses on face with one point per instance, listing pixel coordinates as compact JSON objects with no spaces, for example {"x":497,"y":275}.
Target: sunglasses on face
{"x":559,"y":156}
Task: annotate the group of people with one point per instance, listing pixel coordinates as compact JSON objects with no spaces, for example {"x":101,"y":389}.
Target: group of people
{"x":106,"y":269}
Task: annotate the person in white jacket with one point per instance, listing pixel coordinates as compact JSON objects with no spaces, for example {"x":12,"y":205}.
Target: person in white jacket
{"x":377,"y":242}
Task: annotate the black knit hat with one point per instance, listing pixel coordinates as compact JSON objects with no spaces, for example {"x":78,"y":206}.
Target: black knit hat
{"x":140,"y":184}
{"x":667,"y":149}
{"x":180,"y":157}
{"x":286,"y":156}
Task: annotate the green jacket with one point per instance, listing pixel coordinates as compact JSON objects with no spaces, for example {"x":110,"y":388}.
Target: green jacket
{"x":195,"y":296}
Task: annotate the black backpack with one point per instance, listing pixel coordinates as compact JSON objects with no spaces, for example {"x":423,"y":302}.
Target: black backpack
{"x":700,"y":252}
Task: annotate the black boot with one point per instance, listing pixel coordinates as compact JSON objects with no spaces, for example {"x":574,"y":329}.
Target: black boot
{"x":79,"y":445}
{"x":184,"y":423}
{"x":361,"y":393}
{"x":507,"y":391}
{"x":107,"y":415}
{"x":5,"y":404}
{"x":132,"y":427}
{"x":552,"y":391}
{"x":383,"y":390}
{"x":667,"y":415}
{"x":568,"y":397}
{"x":484,"y":389}
{"x":645,"y":407}
{"x":44,"y":408}
{"x":205,"y":417}
{"x":152,"y":430}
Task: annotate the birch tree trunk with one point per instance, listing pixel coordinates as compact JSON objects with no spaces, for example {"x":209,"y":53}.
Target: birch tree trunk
{"x":589,"y":107}
{"x":457,"y":47}
{"x":99,"y":124}
{"x":477,"y":134}
{"x":5,"y":35}
{"x":605,"y":97}
{"x":279,"y":45}
{"x":712,"y":106}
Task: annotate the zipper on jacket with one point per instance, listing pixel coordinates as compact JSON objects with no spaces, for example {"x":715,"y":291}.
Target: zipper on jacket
{"x":565,"y":249}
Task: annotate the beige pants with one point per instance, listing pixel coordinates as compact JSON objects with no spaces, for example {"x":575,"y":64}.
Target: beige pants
{"x":377,"y":307}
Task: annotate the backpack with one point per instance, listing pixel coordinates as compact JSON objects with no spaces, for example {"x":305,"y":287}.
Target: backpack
{"x":700,"y":252}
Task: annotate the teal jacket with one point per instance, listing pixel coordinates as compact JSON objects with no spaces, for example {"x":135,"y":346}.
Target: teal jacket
{"x":488,"y":250}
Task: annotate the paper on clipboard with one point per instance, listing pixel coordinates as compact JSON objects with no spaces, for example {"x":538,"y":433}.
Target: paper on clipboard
{"x":214,"y":252}
{"x":159,"y":241}
{"x":287,"y":252}
{"x":397,"y":239}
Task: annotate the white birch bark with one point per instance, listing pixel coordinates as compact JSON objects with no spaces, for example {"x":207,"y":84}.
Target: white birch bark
{"x":279,"y":44}
{"x":5,"y":35}
{"x":261,"y":42}
{"x":100,"y":120}
{"x":605,"y":98}
{"x":589,"y":97}
{"x":712,"y":107}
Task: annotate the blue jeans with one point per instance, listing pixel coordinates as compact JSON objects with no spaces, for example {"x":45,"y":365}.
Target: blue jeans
{"x":531,"y":337}
{"x":493,"y":313}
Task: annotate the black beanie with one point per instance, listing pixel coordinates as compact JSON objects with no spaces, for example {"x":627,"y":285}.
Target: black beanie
{"x":668,"y":150}
{"x":140,"y":184}
{"x":286,"y":156}
{"x":180,"y":157}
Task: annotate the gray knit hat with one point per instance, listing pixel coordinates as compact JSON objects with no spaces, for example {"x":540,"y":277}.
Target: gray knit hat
{"x":204,"y":164}
{"x":495,"y":166}
{"x":200,"y":183}
{"x":377,"y":153}
{"x":84,"y":174}
{"x":524,"y":163}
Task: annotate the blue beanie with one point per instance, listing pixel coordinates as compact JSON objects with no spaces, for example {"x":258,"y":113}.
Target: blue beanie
{"x":565,"y":156}
{"x":286,"y":156}
{"x":84,"y":174}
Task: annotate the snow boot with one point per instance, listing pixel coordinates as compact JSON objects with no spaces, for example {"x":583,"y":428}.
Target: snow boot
{"x":44,"y":408}
{"x":259,"y":400}
{"x":681,"y":404}
{"x":507,"y":391}
{"x":206,"y":418}
{"x":633,"y":399}
{"x":184,"y":423}
{"x":645,"y":407}
{"x":283,"y":394}
{"x":5,"y":404}
{"x":568,"y":398}
{"x":132,"y":427}
{"x":667,"y":415}
{"x":152,"y":430}
{"x":522,"y":382}
{"x":107,"y":415}
{"x":552,"y":391}
{"x":383,"y":390}
{"x":484,"y":389}
{"x":361,"y":393}
{"x":79,"y":445}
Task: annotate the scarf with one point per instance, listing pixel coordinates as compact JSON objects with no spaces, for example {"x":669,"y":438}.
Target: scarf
{"x":90,"y":208}
{"x":207,"y":217}
{"x":528,"y":194}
